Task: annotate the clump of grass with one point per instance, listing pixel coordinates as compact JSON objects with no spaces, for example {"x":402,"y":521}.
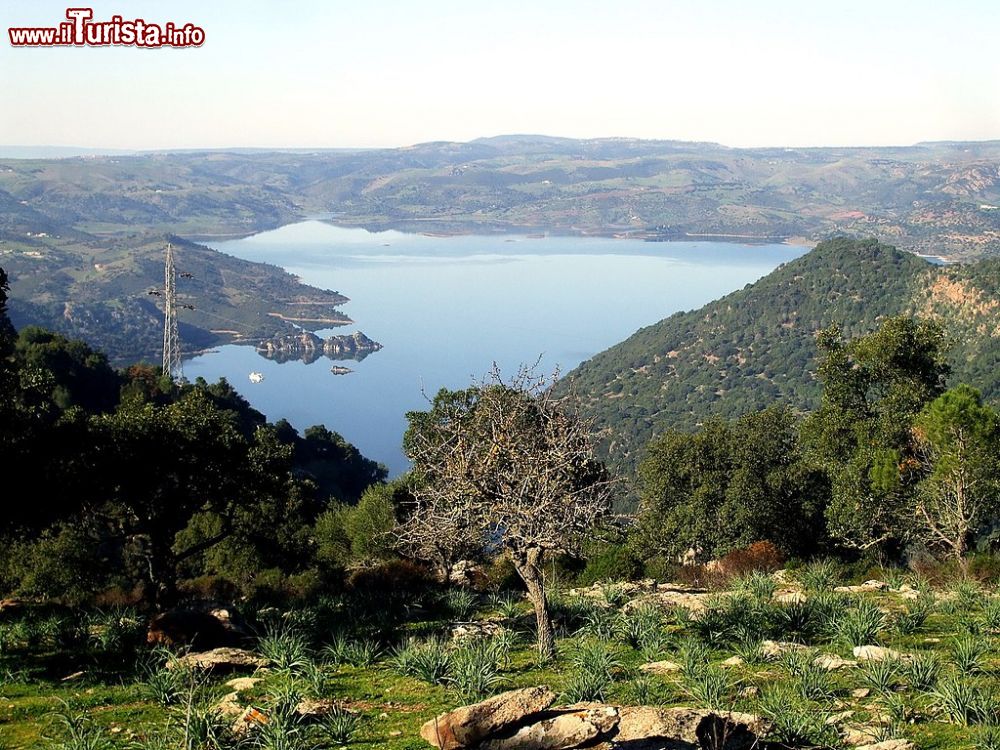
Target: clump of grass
{"x":316,"y":679}
{"x":597,"y":623}
{"x":594,"y":667}
{"x":461,"y":603}
{"x":340,"y":726}
{"x":77,"y":732}
{"x":428,"y":660}
{"x":711,"y":686}
{"x":165,"y":686}
{"x":474,"y":670}
{"x":751,"y":650}
{"x":969,"y":654}
{"x":988,"y":738}
{"x":644,"y":690}
{"x":969,"y":596}
{"x":692,"y":656}
{"x":819,"y":575}
{"x":508,"y":606}
{"x":639,"y":625}
{"x":614,"y":594}
{"x":861,"y":625}
{"x":759,"y":585}
{"x":914,"y":618}
{"x":285,"y":647}
{"x":882,"y":675}
{"x":922,"y":671}
{"x":991,"y":615}
{"x":811,"y":680}
{"x":965,"y":702}
{"x":794,"y":722}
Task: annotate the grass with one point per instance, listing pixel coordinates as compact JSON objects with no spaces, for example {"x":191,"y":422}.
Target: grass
{"x":934,"y":697}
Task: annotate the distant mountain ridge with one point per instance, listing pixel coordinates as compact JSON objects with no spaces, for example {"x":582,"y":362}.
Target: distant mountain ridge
{"x":755,"y":347}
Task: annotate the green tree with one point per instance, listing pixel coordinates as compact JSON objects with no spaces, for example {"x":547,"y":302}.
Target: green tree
{"x":873,"y":388}
{"x":728,"y":485}
{"x":958,"y":439}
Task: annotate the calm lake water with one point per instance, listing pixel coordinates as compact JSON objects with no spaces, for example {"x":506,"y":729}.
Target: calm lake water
{"x":446,"y":308}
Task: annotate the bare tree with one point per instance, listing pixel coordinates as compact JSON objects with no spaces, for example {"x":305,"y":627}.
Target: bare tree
{"x":506,"y":466}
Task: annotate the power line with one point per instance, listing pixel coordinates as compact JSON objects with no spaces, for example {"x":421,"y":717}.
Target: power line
{"x":171,"y":339}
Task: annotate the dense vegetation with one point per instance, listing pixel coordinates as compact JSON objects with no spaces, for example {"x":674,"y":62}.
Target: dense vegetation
{"x":757,"y":346}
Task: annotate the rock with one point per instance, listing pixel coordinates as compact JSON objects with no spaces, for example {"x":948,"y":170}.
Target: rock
{"x":629,"y":588}
{"x":247,"y":720}
{"x":469,"y":725}
{"x":733,"y":661}
{"x":865,"y":587}
{"x":467,"y":631}
{"x":876,"y":653}
{"x":229,"y":706}
{"x":898,"y":744}
{"x":465,"y":573}
{"x":860,"y":693}
{"x":777,"y":649}
{"x":308,"y":347}
{"x":750,"y":691}
{"x":220,"y":660}
{"x":660,"y":667}
{"x":560,"y":732}
{"x":857,"y":735}
{"x":833,"y":662}
{"x":10,"y":606}
{"x":670,"y":597}
{"x":790,"y":597}
{"x":200,"y":631}
{"x":694,"y":726}
{"x":317,"y":708}
{"x":840,"y":718}
{"x":239,"y":684}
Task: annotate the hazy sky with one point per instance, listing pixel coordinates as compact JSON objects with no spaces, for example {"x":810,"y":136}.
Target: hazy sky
{"x":386,"y":73}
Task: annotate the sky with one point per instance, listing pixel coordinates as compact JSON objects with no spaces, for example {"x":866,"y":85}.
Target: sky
{"x":378,"y":73}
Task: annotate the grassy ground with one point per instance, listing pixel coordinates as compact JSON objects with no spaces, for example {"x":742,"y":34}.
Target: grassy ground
{"x":391,"y":666}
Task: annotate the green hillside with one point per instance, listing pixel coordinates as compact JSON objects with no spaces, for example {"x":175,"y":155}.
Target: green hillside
{"x":756,"y":346}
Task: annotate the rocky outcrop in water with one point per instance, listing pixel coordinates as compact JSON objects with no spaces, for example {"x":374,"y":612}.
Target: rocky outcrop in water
{"x":308,"y":347}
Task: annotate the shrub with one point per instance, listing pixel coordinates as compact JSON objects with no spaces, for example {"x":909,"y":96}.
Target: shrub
{"x":607,"y":561}
{"x":763,"y":557}
{"x":757,"y":584}
{"x":398,"y":577}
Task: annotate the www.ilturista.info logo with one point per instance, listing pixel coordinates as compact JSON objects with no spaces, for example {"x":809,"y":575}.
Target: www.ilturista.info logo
{"x":81,"y":31}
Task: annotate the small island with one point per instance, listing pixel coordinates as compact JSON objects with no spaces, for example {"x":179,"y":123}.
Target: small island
{"x":308,"y":347}
{"x":341,"y":370}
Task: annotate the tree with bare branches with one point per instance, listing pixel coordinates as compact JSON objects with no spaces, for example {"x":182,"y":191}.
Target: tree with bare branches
{"x":508,"y":468}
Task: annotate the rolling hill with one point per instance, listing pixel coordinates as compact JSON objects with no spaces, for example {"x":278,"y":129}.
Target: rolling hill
{"x":756,"y":346}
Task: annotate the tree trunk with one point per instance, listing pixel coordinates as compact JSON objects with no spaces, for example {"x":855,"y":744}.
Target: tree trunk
{"x":529,"y":567}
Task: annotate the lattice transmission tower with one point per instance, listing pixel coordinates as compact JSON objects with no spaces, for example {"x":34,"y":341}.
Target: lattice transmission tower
{"x":171,"y":340}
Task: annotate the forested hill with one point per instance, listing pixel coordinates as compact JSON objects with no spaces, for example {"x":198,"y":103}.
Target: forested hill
{"x":756,"y":346}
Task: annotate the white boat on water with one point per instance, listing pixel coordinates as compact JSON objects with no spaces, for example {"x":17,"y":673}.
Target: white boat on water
{"x":256,"y":377}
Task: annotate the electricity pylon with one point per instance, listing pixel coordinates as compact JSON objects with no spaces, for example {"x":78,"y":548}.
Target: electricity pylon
{"x":171,"y":340}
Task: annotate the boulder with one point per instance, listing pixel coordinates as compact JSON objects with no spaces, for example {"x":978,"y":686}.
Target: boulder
{"x":865,"y":587}
{"x":696,"y":727}
{"x":195,"y":629}
{"x":889,"y":745}
{"x":317,"y":708}
{"x":563,"y":731}
{"x":660,"y":667}
{"x":466,"y":631}
{"x":876,"y":653}
{"x":833,"y":662}
{"x":777,"y":649}
{"x":790,"y":597}
{"x":220,"y":660}
{"x":240,"y":684}
{"x":669,"y":597}
{"x":467,"y":726}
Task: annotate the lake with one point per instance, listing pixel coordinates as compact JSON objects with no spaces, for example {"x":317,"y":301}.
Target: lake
{"x":446,"y":308}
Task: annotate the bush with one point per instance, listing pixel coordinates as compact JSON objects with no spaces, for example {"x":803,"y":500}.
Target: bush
{"x":608,"y":561}
{"x":759,"y":557}
{"x":398,"y":577}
